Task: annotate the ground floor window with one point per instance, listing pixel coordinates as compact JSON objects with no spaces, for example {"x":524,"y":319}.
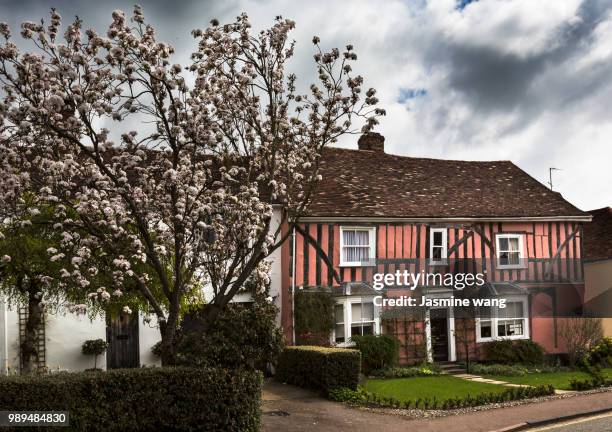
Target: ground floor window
{"x":354,"y":317}
{"x":510,"y":322}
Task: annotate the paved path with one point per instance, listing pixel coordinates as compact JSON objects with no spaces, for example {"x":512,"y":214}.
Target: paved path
{"x":478,"y":378}
{"x":287,"y":408}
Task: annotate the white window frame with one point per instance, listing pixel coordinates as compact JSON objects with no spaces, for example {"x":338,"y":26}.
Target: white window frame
{"x":348,"y":319}
{"x":494,"y":321}
{"x":371,"y":244}
{"x":521,"y":263}
{"x":443,"y":260}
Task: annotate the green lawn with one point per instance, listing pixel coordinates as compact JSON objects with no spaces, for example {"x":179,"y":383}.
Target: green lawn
{"x":559,"y":380}
{"x":441,"y":387}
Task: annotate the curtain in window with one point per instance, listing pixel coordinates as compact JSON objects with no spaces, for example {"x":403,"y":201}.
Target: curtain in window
{"x":356,"y":245}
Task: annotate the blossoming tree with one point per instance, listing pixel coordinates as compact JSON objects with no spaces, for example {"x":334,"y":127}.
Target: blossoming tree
{"x":187,"y":198}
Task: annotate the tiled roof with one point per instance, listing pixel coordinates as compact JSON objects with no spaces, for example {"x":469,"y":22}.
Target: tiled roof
{"x":361,"y":183}
{"x":597,"y":241}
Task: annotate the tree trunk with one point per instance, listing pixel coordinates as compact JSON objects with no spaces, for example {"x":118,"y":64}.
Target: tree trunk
{"x":168,"y":331}
{"x":29,"y":346}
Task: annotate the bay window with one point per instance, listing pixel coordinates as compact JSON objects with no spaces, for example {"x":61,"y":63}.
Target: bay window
{"x":354,"y":316}
{"x":510,"y":322}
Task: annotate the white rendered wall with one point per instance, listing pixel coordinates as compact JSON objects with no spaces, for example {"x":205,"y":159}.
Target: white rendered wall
{"x":148,"y":335}
{"x":65,"y":334}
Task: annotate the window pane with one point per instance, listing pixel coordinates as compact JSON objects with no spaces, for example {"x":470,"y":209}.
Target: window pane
{"x":485,"y":329}
{"x":362,"y":329}
{"x":516,"y":328}
{"x":503,"y":258}
{"x":436,"y":253}
{"x":368,"y":329}
{"x":356,"y":238}
{"x":348,"y":237}
{"x":367,"y":311}
{"x":362,"y":238}
{"x":503,"y":244}
{"x":355,"y":312}
{"x":339,"y":313}
{"x":356,"y":253}
{"x":437,"y":238}
{"x":514,"y":258}
{"x":513,"y":243}
{"x":501,"y":329}
{"x":340,"y":333}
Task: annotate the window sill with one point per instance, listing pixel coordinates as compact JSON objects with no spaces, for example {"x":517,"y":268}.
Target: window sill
{"x":511,"y":267}
{"x":356,"y":264}
{"x":501,"y":338}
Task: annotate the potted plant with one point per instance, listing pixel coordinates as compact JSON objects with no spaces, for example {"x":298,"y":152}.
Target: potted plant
{"x":94,"y":347}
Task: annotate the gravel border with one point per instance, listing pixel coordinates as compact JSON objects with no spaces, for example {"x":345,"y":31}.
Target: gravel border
{"x":421,"y":414}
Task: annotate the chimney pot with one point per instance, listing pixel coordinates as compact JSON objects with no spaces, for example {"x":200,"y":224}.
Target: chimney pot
{"x":372,"y":141}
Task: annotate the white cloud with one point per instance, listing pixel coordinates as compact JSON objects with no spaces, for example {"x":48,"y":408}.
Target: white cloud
{"x":524,"y":80}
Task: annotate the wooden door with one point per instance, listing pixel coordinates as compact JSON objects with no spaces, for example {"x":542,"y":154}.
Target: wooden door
{"x":123,"y":344}
{"x":439,"y":334}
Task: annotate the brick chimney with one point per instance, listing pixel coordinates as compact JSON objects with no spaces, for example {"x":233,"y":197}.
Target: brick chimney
{"x":372,"y":141}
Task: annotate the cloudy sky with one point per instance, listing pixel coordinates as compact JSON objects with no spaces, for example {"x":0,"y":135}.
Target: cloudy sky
{"x":529,"y":81}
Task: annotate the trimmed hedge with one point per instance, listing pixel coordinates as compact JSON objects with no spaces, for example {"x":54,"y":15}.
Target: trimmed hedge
{"x":319,"y":368}
{"x":146,"y":399}
{"x":361,"y":397}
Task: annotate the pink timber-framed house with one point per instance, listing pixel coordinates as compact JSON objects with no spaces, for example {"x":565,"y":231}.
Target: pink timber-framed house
{"x":378,"y":213}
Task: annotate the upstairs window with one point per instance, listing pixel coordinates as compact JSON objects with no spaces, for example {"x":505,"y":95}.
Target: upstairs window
{"x":357,"y":246}
{"x":509,"y":250}
{"x":438,"y":245}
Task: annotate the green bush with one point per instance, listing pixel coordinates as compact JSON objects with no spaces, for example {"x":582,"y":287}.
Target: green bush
{"x":377,"y":351}
{"x":146,"y":399}
{"x":407,"y":372}
{"x":600,"y":354}
{"x":361,"y":397}
{"x":319,"y":368}
{"x":524,"y":351}
{"x":242,"y":336}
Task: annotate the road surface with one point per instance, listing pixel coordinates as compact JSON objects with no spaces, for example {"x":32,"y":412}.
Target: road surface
{"x":600,"y":423}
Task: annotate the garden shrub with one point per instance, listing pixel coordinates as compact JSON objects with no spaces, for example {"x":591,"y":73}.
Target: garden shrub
{"x":524,"y":351}
{"x":319,"y":368}
{"x":377,"y":351}
{"x":145,"y":399}
{"x":601,"y":353}
{"x":361,"y":397}
{"x":242,"y":336}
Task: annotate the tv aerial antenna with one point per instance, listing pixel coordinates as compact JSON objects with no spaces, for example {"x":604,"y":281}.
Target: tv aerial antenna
{"x":550,"y":175}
